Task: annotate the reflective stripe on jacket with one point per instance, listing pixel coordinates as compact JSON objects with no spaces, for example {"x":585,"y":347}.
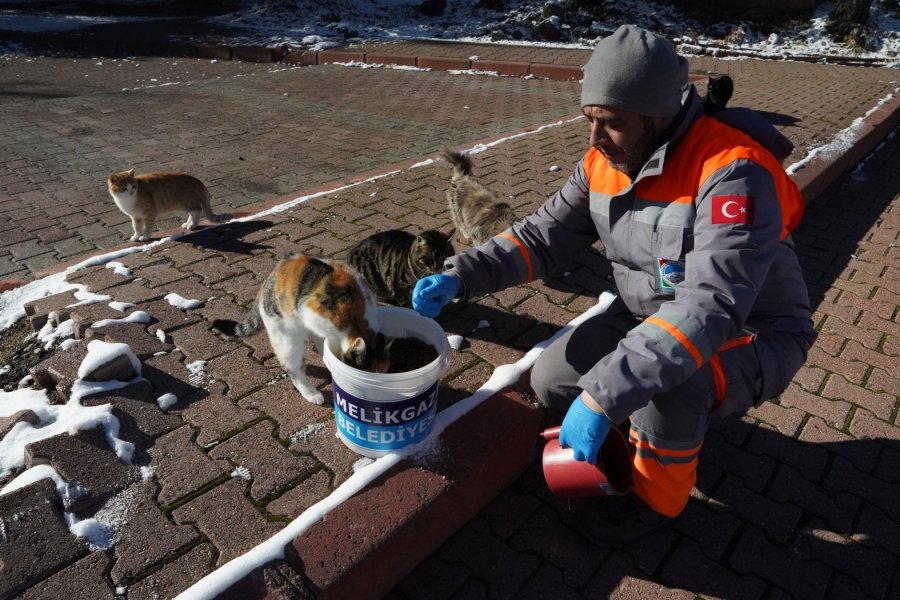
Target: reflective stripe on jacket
{"x":699,"y":246}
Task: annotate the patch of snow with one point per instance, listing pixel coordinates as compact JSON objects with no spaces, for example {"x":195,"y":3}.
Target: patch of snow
{"x":197,"y":370}
{"x":85,"y":297}
{"x":138,"y":316}
{"x":100,"y":532}
{"x":307,"y":432}
{"x":66,"y":490}
{"x":71,"y":417}
{"x":50,"y":333}
{"x":179,"y":301}
{"x":121,"y":306}
{"x":100,"y":353}
{"x":241,"y":473}
{"x":118,"y":268}
{"x":96,"y":534}
{"x":362,"y":463}
{"x":166,"y":401}
{"x":456,"y":341}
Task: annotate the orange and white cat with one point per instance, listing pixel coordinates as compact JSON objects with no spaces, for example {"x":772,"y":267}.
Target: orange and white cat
{"x":148,"y":196}
{"x":323,"y":300}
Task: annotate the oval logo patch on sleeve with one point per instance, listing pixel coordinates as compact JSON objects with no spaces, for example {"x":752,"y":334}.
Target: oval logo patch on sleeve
{"x":732,"y":209}
{"x":671,"y":273}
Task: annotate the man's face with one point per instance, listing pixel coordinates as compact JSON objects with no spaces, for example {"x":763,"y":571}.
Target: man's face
{"x":626,"y":138}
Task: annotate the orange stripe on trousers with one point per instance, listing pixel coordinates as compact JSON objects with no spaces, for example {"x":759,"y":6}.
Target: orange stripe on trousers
{"x":667,"y":488}
{"x":664,"y":488}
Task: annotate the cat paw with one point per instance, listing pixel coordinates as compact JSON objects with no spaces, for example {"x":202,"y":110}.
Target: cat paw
{"x":135,"y":238}
{"x":309,"y":392}
{"x":143,"y":238}
{"x":316,"y":398}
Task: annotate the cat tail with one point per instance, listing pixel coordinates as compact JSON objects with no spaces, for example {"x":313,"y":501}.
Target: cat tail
{"x":462,"y":164}
{"x":251,"y":324}
{"x":208,"y":211}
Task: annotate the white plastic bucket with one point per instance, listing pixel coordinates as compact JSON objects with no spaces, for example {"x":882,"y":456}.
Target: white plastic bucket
{"x":377,"y":413}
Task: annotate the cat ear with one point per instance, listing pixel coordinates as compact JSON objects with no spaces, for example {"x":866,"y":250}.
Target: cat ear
{"x":130,"y":172}
{"x":356,"y":352}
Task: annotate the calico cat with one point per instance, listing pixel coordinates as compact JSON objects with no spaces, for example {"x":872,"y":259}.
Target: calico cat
{"x":393,"y":261}
{"x":318,"y":299}
{"x":475,"y":210}
{"x":145,"y":197}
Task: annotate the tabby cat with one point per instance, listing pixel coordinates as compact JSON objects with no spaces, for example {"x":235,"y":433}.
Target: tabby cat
{"x":318,"y":299}
{"x":145,"y":197}
{"x":475,"y":210}
{"x":392,"y":261}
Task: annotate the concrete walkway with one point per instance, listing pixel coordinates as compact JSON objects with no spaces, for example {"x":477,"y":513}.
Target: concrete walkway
{"x":793,"y":500}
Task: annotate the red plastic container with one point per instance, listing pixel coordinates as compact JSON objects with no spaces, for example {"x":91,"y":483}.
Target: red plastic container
{"x":570,"y":478}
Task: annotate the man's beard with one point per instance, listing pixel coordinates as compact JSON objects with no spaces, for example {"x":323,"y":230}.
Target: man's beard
{"x":638,"y":153}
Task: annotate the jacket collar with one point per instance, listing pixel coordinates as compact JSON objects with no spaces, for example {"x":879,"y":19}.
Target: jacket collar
{"x":691,"y":110}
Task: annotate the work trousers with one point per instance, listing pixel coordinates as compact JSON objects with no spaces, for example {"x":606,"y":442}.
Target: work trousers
{"x":666,"y":435}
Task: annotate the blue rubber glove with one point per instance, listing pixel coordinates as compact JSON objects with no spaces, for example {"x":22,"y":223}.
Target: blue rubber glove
{"x":583,"y":430}
{"x":433,"y":292}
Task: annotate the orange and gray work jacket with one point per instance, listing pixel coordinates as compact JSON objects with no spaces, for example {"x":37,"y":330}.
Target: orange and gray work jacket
{"x":699,"y":246}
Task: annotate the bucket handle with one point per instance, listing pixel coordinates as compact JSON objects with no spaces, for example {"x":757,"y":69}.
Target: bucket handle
{"x":550,"y":434}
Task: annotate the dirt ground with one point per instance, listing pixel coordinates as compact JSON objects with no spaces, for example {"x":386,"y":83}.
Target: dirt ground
{"x":20,"y":350}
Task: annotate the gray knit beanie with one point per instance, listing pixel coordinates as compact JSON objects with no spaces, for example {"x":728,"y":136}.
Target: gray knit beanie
{"x":635,"y":70}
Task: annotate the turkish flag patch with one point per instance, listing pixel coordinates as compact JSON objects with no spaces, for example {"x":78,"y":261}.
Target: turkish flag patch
{"x":732,"y":209}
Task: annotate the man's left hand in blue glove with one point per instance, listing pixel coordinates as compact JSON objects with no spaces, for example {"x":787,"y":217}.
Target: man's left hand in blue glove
{"x":584,"y":428}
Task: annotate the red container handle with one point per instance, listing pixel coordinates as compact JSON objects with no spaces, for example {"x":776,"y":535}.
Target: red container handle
{"x":550,"y":434}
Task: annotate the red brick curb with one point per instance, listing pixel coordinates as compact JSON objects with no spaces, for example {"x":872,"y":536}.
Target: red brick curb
{"x":363,"y":547}
{"x":438,"y":63}
{"x":412,"y":509}
{"x":822,"y":171}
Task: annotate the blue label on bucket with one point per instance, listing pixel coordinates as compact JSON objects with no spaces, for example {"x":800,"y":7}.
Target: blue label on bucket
{"x":387,"y":424}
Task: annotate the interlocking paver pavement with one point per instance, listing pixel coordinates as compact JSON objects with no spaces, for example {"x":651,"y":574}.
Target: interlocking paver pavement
{"x":316,"y":129}
{"x":252,"y":134}
{"x":795,"y":499}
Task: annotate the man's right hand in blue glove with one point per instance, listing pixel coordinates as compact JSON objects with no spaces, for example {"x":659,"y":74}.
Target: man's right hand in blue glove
{"x":584,"y":428}
{"x":433,"y":292}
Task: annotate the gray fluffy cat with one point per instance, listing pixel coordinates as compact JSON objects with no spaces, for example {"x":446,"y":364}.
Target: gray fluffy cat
{"x":475,"y":210}
{"x":392,"y":261}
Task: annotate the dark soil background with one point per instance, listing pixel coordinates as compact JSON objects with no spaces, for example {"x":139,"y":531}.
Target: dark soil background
{"x":409,"y":354}
{"x":20,"y":349}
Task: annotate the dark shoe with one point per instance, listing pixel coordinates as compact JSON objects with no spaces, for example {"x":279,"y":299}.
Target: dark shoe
{"x":616,"y":520}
